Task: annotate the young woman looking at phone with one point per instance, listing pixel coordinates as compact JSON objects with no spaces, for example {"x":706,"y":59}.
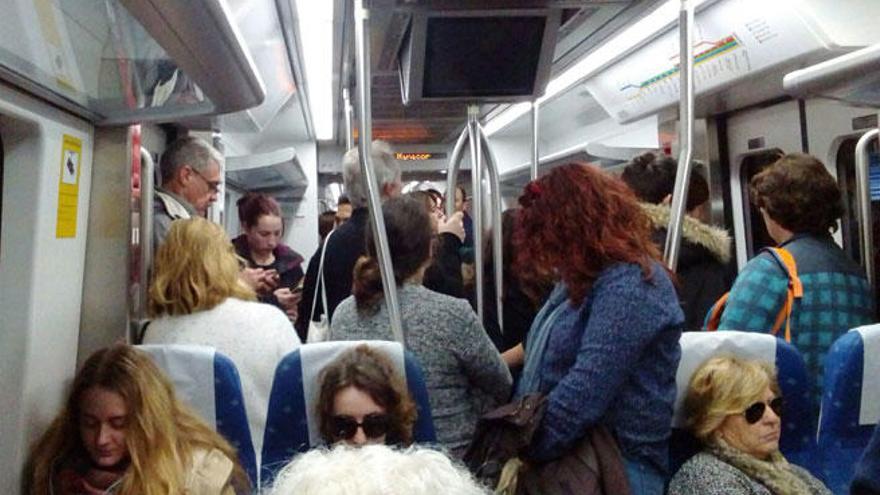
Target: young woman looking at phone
{"x":273,"y":269}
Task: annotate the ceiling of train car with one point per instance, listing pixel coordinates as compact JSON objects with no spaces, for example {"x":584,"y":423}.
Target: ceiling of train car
{"x":584,"y":25}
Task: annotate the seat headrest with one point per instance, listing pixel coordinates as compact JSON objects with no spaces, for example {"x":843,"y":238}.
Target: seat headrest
{"x":191,"y":370}
{"x":869,"y":411}
{"x":315,"y":357}
{"x":697,"y":347}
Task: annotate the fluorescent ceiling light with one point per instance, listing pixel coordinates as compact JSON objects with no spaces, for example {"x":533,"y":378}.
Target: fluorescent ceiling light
{"x":316,"y":35}
{"x":632,"y":36}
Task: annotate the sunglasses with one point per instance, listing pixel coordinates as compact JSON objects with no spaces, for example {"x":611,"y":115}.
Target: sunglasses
{"x":756,"y":411}
{"x":374,"y":425}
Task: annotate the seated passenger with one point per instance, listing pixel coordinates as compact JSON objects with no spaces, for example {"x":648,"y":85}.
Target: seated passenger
{"x":122,"y":430}
{"x":274,"y":270}
{"x":604,"y":348}
{"x":198,"y":298}
{"x":362,"y":400}
{"x":733,"y":406}
{"x":703,"y":271}
{"x":374,"y":470}
{"x":463,"y":370}
{"x":800,"y":203}
{"x":444,"y":273}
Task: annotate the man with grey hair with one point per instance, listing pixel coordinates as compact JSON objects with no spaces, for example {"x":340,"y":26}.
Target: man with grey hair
{"x":190,"y":170}
{"x":346,"y":244}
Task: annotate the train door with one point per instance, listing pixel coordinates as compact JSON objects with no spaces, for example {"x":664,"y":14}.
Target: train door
{"x":756,"y":137}
{"x":834,"y":129}
{"x":46,"y":184}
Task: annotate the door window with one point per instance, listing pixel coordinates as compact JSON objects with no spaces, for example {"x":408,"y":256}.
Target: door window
{"x":757,"y":237}
{"x":846,"y":177}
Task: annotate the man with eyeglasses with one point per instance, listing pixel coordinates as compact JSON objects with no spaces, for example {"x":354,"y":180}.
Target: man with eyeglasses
{"x":190,"y":170}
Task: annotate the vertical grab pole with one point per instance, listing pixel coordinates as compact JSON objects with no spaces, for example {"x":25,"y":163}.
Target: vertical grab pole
{"x":863,"y":194}
{"x":146,"y":240}
{"x":497,"y":234}
{"x":686,"y":119}
{"x":534,"y":169}
{"x":377,"y":221}
{"x":349,"y":131}
{"x":477,"y":203}
{"x":452,"y":171}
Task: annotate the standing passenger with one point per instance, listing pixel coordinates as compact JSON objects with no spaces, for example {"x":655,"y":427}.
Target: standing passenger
{"x":703,"y":271}
{"x":272,"y":265}
{"x":800,"y":203}
{"x":190,"y":171}
{"x":197,"y":298}
{"x":463,"y":371}
{"x":444,"y":274}
{"x":346,"y":244}
{"x":604,"y":348}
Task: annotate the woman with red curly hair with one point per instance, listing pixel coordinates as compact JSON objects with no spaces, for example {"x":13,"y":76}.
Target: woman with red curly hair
{"x":604,"y":348}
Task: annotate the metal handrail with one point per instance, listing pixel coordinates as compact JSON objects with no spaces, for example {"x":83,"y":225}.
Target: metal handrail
{"x":686,"y":120}
{"x":377,"y":221}
{"x":452,"y":171}
{"x":863,"y":194}
{"x":145,"y":243}
{"x":497,"y":225}
{"x":476,"y":203}
{"x":349,"y":131}
{"x":534,"y":169}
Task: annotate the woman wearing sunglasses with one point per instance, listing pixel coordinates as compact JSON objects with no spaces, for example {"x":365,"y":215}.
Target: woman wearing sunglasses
{"x":363,"y":401}
{"x":734,"y":407}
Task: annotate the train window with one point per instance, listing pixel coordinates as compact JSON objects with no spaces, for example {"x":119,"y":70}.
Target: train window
{"x":756,"y":232}
{"x":846,"y":177}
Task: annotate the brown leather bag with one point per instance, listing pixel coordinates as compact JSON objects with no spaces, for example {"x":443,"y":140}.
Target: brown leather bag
{"x":593,"y":466}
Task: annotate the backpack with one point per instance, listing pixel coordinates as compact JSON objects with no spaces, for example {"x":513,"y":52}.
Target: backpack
{"x":795,"y":291}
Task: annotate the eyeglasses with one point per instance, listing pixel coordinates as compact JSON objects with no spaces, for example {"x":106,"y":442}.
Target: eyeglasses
{"x":374,"y":425}
{"x":756,"y":411}
{"x":214,"y":185}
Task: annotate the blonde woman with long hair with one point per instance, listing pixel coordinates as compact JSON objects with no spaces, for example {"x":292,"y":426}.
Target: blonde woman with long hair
{"x":123,"y":431}
{"x":198,"y":297}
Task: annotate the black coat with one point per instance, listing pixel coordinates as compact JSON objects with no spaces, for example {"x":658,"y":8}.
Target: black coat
{"x":705,"y":271}
{"x":345,"y":246}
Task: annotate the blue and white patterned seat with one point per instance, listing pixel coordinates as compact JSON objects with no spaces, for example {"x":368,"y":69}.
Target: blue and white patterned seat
{"x":850,"y":404}
{"x":208,"y":382}
{"x":798,"y":440}
{"x":291,"y":423}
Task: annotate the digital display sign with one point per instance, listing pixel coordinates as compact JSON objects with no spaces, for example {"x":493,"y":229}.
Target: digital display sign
{"x":418,"y":156}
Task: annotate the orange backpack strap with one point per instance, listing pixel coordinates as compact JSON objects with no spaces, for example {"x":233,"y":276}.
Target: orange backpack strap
{"x":715,"y":314}
{"x":795,"y":290}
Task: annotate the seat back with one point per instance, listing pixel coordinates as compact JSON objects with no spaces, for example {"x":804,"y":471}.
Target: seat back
{"x":798,"y":439}
{"x":850,"y":404}
{"x":292,"y":423}
{"x":209,"y":383}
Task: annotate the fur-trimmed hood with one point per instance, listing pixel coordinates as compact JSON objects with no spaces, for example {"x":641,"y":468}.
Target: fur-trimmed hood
{"x":716,"y":240}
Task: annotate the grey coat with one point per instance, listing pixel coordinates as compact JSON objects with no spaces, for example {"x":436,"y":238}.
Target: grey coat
{"x":705,"y":474}
{"x":463,"y":370}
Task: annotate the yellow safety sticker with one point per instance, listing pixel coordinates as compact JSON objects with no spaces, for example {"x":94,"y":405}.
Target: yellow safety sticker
{"x":68,"y":187}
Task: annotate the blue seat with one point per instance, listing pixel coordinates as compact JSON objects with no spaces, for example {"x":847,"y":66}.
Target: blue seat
{"x":798,"y":439}
{"x":208,"y":382}
{"x":291,"y":422}
{"x":850,"y":404}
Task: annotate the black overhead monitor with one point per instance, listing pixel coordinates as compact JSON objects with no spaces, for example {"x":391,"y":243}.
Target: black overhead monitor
{"x":478,"y":56}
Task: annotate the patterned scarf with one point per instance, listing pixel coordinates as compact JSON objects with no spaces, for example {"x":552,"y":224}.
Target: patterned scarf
{"x":775,"y":473}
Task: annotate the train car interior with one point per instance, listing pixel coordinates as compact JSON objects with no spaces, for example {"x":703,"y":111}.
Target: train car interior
{"x":486,"y":94}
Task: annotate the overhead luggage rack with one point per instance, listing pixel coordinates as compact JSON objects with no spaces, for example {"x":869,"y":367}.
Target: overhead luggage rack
{"x":126,"y":61}
{"x":852,"y":78}
{"x":278,"y":173}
